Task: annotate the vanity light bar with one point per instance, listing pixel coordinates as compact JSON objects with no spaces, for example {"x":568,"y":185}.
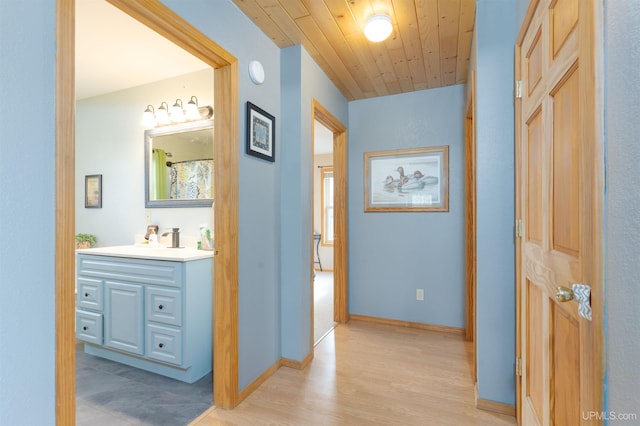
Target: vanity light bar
{"x":177,"y":114}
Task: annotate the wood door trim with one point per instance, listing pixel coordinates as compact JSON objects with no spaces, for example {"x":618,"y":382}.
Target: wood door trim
{"x":171,"y":26}
{"x":340,"y":260}
{"x":590,"y":42}
{"x":470,"y":221}
{"x":518,"y":215}
{"x":225,"y":339}
{"x":65,"y":104}
{"x":225,"y":286}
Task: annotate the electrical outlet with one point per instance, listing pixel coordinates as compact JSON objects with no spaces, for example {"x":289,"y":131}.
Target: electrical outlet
{"x":419,"y":294}
{"x":148,"y":218}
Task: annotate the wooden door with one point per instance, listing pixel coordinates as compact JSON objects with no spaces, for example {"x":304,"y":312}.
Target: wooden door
{"x":559,"y":201}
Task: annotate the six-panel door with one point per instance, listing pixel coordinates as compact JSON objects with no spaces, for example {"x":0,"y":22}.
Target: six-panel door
{"x":558,"y":193}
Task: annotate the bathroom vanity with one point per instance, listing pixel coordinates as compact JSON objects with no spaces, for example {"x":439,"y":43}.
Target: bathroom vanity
{"x":149,"y":308}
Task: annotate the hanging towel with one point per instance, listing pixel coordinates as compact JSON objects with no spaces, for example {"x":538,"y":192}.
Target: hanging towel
{"x":159,"y":174}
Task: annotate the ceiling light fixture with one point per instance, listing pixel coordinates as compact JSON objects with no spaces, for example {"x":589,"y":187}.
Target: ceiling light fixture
{"x":378,"y":27}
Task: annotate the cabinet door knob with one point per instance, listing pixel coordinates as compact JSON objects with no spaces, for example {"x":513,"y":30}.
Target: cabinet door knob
{"x":86,"y":295}
{"x":160,"y":307}
{"x":161,"y":345}
{"x":85,"y":328}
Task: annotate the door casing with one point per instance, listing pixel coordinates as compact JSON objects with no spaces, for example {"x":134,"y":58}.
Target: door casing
{"x":163,"y":20}
{"x":470,"y":220}
{"x":340,"y":244}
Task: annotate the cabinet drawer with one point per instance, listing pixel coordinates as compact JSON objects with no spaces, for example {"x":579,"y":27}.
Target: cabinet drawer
{"x":89,"y":326}
{"x":164,"y":305}
{"x":155,"y":272}
{"x":164,"y":343}
{"x":89,"y":294}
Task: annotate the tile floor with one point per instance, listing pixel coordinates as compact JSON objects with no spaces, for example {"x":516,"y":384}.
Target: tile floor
{"x":113,"y":394}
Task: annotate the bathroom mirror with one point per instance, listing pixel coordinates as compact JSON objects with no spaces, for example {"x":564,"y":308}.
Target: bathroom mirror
{"x":179,"y":165}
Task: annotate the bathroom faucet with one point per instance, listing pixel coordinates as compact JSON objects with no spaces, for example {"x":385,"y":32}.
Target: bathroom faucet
{"x":175,"y":237}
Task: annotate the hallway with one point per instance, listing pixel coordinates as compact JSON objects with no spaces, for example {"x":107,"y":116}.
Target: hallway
{"x":369,"y":374}
{"x":322,"y":305}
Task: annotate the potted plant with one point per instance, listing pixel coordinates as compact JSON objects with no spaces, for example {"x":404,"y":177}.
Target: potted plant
{"x":85,"y":241}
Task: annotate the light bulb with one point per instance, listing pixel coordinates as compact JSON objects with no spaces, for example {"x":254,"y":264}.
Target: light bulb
{"x":148,"y":118}
{"x":378,"y":28}
{"x":162,"y":116}
{"x":177,"y":114}
{"x":191,"y":111}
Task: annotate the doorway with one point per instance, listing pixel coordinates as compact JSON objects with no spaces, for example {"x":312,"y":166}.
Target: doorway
{"x":333,"y":126}
{"x":116,"y":74}
{"x":225,"y":335}
{"x":323,"y":234}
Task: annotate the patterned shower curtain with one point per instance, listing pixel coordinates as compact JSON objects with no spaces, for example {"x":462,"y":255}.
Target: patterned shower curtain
{"x":191,"y":179}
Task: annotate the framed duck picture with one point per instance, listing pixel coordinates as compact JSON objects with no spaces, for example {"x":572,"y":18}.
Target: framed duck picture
{"x":407,"y":180}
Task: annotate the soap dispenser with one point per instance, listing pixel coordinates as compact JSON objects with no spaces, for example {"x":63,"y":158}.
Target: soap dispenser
{"x":153,"y":238}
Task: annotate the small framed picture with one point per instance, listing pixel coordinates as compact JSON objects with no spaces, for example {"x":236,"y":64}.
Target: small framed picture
{"x":261,"y":133}
{"x":407,"y":180}
{"x":93,"y":191}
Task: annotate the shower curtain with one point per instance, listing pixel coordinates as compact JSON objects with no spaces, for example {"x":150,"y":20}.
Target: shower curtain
{"x":191,"y":179}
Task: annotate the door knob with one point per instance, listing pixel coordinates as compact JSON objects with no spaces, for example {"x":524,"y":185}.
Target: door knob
{"x":564,"y":294}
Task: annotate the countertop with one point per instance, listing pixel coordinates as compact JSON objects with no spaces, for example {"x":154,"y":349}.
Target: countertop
{"x":154,"y":253}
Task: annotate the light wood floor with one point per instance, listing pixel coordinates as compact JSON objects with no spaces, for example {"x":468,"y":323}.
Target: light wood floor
{"x":369,"y":374}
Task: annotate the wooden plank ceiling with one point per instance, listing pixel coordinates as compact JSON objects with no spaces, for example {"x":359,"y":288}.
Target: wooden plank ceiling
{"x":429,"y":46}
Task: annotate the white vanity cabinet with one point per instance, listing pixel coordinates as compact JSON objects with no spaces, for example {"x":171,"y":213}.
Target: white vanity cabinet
{"x":152,"y":312}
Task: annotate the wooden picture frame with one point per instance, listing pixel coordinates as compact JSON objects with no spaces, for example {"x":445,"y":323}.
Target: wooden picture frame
{"x":93,"y":191}
{"x":261,"y":133}
{"x":407,"y":180}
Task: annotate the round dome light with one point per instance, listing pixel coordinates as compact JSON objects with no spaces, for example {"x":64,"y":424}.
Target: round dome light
{"x":378,"y":27}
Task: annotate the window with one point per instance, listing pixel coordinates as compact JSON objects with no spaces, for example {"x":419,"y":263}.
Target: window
{"x":327,"y":206}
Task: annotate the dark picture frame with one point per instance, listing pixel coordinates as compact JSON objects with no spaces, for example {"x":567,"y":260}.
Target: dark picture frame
{"x":407,"y":180}
{"x":261,"y":133}
{"x":93,"y":191}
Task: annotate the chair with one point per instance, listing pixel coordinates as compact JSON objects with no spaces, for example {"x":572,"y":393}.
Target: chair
{"x":317,"y":238}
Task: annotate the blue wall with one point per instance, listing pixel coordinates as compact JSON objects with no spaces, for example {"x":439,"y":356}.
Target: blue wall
{"x":496,"y":29}
{"x":622,"y":223}
{"x":27,"y":360}
{"x":393,"y":254}
{"x":259,"y":185}
{"x":27,"y":206}
{"x":302,"y":81}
